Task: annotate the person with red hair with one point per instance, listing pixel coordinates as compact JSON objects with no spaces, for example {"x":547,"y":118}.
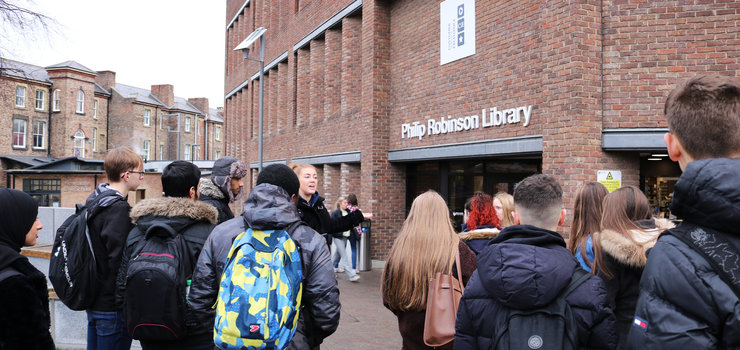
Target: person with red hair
{"x":482,"y":225}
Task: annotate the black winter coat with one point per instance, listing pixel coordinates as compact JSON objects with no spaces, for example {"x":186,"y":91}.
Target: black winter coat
{"x":211,"y":194}
{"x":269,"y":207}
{"x":317,"y":217}
{"x":24,"y":308}
{"x":194,"y":220}
{"x":683,"y":301}
{"x":109,"y":226}
{"x":526,"y":267}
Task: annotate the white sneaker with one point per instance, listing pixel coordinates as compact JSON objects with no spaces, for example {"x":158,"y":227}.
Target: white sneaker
{"x":354,"y":278}
{"x":339,"y":269}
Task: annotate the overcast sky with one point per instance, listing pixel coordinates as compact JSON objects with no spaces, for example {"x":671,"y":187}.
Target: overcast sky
{"x":177,"y":42}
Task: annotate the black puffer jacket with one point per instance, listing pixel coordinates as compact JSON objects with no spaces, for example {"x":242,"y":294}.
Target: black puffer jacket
{"x":315,"y":215}
{"x":24,"y":307}
{"x":194,"y":220}
{"x":269,"y":207}
{"x":526,"y":267}
{"x":211,"y":194}
{"x":685,"y":304}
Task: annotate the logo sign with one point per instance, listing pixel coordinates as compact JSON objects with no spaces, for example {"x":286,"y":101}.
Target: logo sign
{"x":488,"y":117}
{"x":611,"y":179}
{"x":456,"y":30}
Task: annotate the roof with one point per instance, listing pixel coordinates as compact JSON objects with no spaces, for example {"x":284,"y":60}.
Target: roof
{"x":23,"y":70}
{"x":215,"y":115}
{"x":72,"y":64}
{"x":28,"y":160}
{"x":183,"y":105}
{"x":100,"y":90}
{"x":71,"y":163}
{"x":140,"y":95}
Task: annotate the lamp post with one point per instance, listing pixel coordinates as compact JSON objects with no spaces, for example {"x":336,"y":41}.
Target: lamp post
{"x":259,"y":33}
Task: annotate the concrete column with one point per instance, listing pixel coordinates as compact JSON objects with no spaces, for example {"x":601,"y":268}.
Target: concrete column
{"x":333,"y":71}
{"x":351,"y":65}
{"x":317,"y":80}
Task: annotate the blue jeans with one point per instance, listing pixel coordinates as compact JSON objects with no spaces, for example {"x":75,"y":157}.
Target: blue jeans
{"x":107,"y":331}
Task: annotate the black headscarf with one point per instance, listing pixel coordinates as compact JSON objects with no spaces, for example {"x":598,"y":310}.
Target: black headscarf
{"x":18,"y":212}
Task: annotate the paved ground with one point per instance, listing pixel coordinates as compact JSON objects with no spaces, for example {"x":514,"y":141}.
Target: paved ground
{"x":365,"y":323}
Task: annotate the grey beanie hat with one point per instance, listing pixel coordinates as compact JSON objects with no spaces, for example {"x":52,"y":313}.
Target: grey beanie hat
{"x":224,"y":170}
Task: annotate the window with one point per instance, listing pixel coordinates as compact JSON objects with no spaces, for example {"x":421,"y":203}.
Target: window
{"x":39,"y":131}
{"x":147,"y":117}
{"x":218,"y":133}
{"x":161,"y":152}
{"x":187,"y":152}
{"x":20,"y":96}
{"x":46,"y":191}
{"x":187,"y":124}
{"x":80,"y":102}
{"x":79,"y":139}
{"x":218,"y":154}
{"x":40,"y":99}
{"x":95,"y":109}
{"x":19,"y":133}
{"x":146,"y":150}
{"x":95,"y":139}
{"x":55,"y":99}
{"x":160,"y":122}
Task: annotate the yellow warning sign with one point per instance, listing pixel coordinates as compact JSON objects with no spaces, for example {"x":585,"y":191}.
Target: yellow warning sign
{"x":609,"y":176}
{"x":611,"y":179}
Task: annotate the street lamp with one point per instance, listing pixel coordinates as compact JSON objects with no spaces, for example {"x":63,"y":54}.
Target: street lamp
{"x":259,"y":33}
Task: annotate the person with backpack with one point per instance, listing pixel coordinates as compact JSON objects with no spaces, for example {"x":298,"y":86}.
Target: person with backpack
{"x":109,"y":224}
{"x":159,"y":259}
{"x":24,"y":297}
{"x":269,"y":211}
{"x":690,"y":289}
{"x":224,"y":186}
{"x":528,"y":289}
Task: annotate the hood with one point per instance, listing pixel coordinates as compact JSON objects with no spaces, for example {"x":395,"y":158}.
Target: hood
{"x":268,"y":207}
{"x":178,"y":212}
{"x":208,"y":188}
{"x":105,"y":201}
{"x":224,"y":170}
{"x":480,"y":233}
{"x":632,"y":251}
{"x":526,"y":267}
{"x":708,"y":194}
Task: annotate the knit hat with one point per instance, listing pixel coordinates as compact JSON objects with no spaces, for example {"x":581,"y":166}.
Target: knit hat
{"x":225,"y":169}
{"x":280,"y":175}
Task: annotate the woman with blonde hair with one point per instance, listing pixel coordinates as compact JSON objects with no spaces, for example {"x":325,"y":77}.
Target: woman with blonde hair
{"x":504,"y":205}
{"x":427,"y":244}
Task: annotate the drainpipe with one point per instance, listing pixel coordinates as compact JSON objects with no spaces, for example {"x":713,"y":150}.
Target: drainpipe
{"x":205,"y":138}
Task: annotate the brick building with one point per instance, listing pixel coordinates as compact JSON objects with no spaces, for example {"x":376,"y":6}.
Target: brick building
{"x":390,"y":98}
{"x":68,"y":110}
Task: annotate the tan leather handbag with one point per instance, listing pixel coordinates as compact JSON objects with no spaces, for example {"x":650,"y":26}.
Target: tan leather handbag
{"x":444,"y":295}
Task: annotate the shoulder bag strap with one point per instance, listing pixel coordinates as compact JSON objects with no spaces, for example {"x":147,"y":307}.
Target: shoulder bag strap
{"x":720,"y":253}
{"x":8,"y":272}
{"x":459,"y":271}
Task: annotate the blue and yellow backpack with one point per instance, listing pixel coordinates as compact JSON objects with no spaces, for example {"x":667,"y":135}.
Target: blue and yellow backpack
{"x":259,"y":296}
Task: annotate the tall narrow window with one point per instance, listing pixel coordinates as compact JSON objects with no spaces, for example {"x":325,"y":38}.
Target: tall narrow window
{"x":79,"y":140}
{"x":20,"y":96}
{"x":187,"y":124}
{"x":218,"y":133}
{"x":80,"y":102}
{"x":95,"y":139}
{"x":218,"y":154}
{"x":146,"y":147}
{"x":55,"y":99}
{"x":187,"y":152}
{"x":161,"y":152}
{"x":39,"y":133}
{"x":19,"y":133}
{"x":95,"y":109}
{"x":40,"y":99}
{"x":147,"y":117}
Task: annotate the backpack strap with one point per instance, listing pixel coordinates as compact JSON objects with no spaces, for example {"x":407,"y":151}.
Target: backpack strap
{"x":154,"y":228}
{"x":579,"y":277}
{"x":719,"y":252}
{"x":8,"y":272}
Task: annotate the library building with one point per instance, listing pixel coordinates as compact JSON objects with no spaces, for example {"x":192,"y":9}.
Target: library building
{"x":388,"y":99}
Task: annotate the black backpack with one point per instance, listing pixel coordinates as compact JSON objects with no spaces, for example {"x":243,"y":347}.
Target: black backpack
{"x":154,"y":306}
{"x":550,"y":327}
{"x":77,"y":263}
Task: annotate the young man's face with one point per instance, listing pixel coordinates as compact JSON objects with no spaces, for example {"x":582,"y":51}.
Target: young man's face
{"x":236,"y":186}
{"x":133,"y":178}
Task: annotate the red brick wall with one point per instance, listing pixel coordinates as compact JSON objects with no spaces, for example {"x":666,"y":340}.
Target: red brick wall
{"x":8,"y":111}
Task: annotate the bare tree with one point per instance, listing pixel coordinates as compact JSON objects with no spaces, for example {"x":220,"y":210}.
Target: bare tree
{"x":21,"y":21}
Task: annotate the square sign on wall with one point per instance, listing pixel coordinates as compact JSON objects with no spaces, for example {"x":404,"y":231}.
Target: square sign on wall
{"x":456,"y":30}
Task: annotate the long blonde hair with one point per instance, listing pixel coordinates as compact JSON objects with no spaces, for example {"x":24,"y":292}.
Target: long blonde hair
{"x":426,"y":245}
{"x":507,"y":202}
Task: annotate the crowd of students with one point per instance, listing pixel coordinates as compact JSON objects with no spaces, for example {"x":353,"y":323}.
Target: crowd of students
{"x":623,"y":280}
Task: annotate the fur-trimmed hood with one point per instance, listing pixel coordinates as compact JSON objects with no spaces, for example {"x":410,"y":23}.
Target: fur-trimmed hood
{"x":625,"y":250}
{"x":208,"y":188}
{"x":481,"y":233}
{"x":174,"y":207}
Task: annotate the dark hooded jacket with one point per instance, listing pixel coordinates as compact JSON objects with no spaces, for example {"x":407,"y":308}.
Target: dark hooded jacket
{"x":479,"y":238}
{"x":192,"y":219}
{"x":269,"y":207}
{"x":526,"y":267}
{"x":213,"y":195}
{"x":24,"y":297}
{"x":315,"y":215}
{"x":683,"y":301}
{"x":109,"y":225}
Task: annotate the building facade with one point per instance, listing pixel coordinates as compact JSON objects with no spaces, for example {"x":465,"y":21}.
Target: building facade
{"x":391,"y":98}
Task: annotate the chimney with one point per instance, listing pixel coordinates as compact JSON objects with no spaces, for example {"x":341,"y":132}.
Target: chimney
{"x":165,"y":93}
{"x":200,"y":103}
{"x":106,"y":79}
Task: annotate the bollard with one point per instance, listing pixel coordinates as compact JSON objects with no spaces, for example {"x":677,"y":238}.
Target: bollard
{"x":364,"y":263}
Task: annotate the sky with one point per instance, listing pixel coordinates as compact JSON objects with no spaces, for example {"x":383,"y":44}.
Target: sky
{"x":177,"y":42}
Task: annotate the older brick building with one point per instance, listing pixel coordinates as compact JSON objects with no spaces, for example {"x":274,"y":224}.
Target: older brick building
{"x":367,"y":91}
{"x":68,"y":110}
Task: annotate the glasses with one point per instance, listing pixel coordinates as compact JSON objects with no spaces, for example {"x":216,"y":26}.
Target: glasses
{"x":141,"y":173}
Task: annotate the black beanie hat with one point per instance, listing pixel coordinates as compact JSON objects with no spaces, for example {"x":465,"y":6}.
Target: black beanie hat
{"x":280,"y":175}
